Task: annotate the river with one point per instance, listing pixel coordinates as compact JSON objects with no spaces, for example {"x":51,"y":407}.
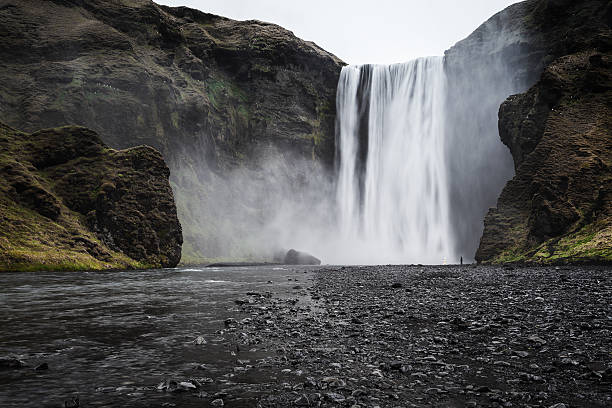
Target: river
{"x":109,"y":338}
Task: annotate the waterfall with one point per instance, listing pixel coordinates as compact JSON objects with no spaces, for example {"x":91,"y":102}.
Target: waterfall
{"x":392,"y":186}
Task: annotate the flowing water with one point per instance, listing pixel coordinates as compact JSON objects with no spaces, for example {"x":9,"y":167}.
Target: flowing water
{"x":395,"y":208}
{"x":111,"y":337}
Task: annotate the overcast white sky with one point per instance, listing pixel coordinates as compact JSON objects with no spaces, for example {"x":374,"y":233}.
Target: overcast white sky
{"x":360,"y":31}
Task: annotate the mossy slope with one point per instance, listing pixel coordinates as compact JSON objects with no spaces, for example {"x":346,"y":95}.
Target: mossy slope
{"x":67,"y":202}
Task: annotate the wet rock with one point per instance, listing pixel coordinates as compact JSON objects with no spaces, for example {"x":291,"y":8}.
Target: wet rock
{"x":176,"y":386}
{"x":302,"y":401}
{"x":217,"y":402}
{"x":72,"y":403}
{"x":200,"y":340}
{"x":395,"y":365}
{"x":11,"y":363}
{"x":333,"y":382}
{"x":537,"y":340}
{"x":335,"y":397}
{"x":294,"y":257}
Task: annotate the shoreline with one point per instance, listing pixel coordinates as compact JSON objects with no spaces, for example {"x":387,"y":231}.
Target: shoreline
{"x":231,"y":264}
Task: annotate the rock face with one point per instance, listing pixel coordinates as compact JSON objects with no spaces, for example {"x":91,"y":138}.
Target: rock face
{"x":70,"y":202}
{"x":211,"y":94}
{"x":506,"y":55}
{"x":558,"y":207}
{"x":559,"y":204}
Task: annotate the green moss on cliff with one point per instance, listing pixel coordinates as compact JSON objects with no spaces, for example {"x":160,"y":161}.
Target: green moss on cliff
{"x":66,"y":204}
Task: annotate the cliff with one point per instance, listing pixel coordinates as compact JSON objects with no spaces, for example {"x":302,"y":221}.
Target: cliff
{"x":243,"y":113}
{"x":213,"y":95}
{"x":505,"y":56}
{"x":557,"y":207}
{"x":68,"y":202}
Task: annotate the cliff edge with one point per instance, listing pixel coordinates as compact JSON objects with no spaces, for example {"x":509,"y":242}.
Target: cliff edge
{"x":558,"y":207}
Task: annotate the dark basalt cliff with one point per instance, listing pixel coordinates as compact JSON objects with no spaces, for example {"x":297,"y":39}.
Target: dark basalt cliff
{"x":558,"y":206}
{"x":211,"y":94}
{"x":69,"y":202}
{"x":506,"y":55}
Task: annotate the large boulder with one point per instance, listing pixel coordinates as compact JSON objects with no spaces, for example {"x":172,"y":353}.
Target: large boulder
{"x":294,"y":257}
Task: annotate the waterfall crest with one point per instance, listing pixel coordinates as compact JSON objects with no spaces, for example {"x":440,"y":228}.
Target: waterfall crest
{"x":392,"y":187}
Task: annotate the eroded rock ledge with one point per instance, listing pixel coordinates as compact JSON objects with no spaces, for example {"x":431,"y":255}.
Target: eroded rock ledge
{"x":69,"y":202}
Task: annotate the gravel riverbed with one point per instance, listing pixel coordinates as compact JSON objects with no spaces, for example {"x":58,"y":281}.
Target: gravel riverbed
{"x":371,"y":336}
{"x":394,"y":336}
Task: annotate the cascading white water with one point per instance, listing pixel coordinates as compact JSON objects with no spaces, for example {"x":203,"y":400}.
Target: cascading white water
{"x":395,"y":208}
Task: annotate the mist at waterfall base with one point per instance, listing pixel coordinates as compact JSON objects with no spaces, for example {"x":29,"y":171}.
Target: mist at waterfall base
{"x":418,"y":163}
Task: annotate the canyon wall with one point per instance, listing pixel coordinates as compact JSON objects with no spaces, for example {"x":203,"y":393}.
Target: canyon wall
{"x":507,"y":55}
{"x":217,"y":97}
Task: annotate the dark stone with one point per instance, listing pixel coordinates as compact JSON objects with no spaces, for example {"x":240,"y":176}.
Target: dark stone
{"x":11,"y":363}
{"x":72,"y":403}
{"x":41,"y":367}
{"x":294,"y":257}
{"x":395,"y":365}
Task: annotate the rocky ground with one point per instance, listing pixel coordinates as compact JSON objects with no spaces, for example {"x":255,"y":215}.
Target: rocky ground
{"x":393,"y":336}
{"x":376,"y":336}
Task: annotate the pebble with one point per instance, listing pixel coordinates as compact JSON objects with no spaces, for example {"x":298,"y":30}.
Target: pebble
{"x":42,"y":367}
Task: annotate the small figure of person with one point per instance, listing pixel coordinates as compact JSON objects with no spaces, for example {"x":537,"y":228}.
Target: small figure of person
{"x":461,"y":260}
